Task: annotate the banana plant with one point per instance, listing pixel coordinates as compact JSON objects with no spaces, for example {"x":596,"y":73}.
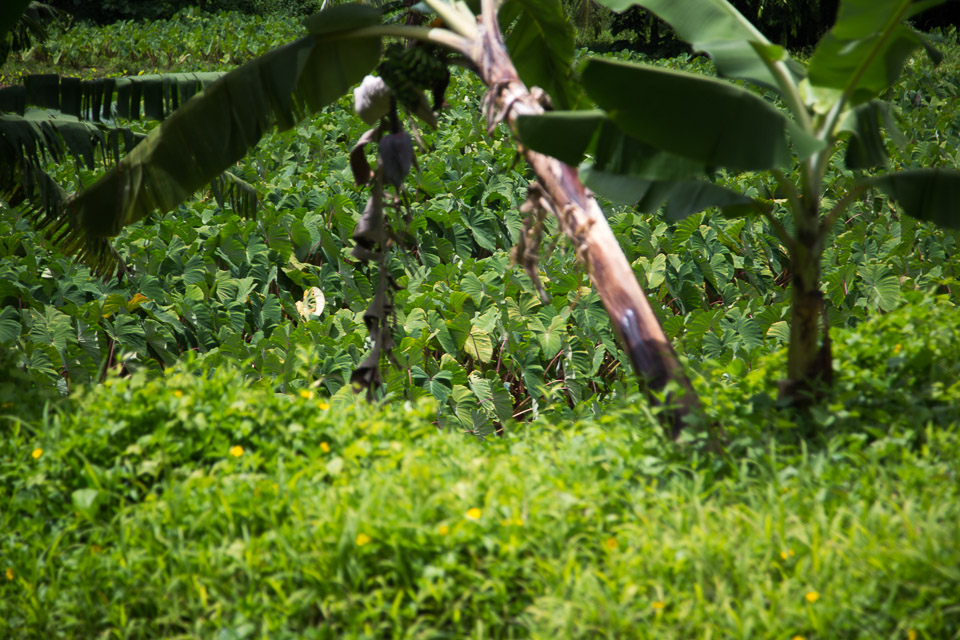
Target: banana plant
{"x":343,"y":44}
{"x":658,"y":135}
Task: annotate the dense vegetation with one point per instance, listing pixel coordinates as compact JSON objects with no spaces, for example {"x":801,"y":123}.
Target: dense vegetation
{"x":222,"y":478}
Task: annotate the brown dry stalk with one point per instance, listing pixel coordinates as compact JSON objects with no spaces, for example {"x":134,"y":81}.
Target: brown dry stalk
{"x":583,"y":222}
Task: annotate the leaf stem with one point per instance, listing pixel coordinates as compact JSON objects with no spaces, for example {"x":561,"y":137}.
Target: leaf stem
{"x":842,"y":205}
{"x":778,"y":227}
{"x":788,"y":188}
{"x":791,"y":94}
{"x":457,"y":16}
{"x":442,"y":37}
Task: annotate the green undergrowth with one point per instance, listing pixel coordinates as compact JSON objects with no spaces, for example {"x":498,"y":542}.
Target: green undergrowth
{"x":197,"y":505}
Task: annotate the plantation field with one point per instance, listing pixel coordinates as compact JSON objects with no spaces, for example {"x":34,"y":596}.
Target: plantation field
{"x":182,"y":455}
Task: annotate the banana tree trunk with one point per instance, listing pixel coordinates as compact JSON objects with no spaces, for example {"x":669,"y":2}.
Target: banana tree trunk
{"x":583,"y":222}
{"x":809,"y":360}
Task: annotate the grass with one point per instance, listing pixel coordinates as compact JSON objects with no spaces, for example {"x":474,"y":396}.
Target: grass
{"x":199,"y":506}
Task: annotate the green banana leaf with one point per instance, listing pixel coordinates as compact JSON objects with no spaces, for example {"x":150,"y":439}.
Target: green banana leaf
{"x":925,"y":194}
{"x":866,"y":148}
{"x":864,"y":53}
{"x":674,"y":199}
{"x":715,"y":27}
{"x":214,"y":129}
{"x":541,"y":45}
{"x":699,"y":118}
{"x":570,"y":136}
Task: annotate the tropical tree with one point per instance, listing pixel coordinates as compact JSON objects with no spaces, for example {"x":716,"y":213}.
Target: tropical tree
{"x":663,"y":151}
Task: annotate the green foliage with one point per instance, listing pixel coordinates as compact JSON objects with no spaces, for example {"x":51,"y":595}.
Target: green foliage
{"x":225,"y":287}
{"x":108,"y":11}
{"x":187,"y":41}
{"x":198,"y":504}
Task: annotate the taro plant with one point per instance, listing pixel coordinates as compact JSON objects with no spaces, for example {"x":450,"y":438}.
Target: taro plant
{"x":658,"y":137}
{"x":215,"y":128}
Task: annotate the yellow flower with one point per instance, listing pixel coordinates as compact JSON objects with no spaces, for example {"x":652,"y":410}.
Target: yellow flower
{"x":306,"y":394}
{"x":797,"y":638}
{"x":178,"y":394}
{"x":37,"y":453}
{"x":897,"y":348}
{"x":325,"y":447}
{"x":9,"y":574}
{"x":323,"y":406}
{"x":658,"y":605}
{"x":474,"y":513}
{"x":812,"y":596}
{"x":362,"y":539}
{"x":444,"y":529}
{"x":611,"y":543}
{"x":236,"y":451}
{"x":911,"y":634}
{"x":783,"y":555}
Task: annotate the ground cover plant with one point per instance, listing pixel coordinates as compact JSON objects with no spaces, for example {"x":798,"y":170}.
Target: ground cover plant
{"x":198,"y":505}
{"x":211,"y":472}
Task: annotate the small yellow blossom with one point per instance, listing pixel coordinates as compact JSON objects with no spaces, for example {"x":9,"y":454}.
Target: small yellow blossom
{"x":611,"y":543}
{"x":178,"y":394}
{"x":9,"y":574}
{"x":798,"y":638}
{"x":323,"y":406}
{"x":783,"y":555}
{"x":363,"y":539}
{"x":897,"y":348}
{"x":306,"y":394}
{"x":474,"y":513}
{"x":444,"y":529}
{"x":325,"y":447}
{"x":911,"y":634}
{"x":659,"y":605}
{"x":236,"y":451}
{"x":812,"y":596}
{"x":37,"y":453}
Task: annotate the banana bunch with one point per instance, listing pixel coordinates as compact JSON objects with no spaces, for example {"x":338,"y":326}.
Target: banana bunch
{"x":408,"y":71}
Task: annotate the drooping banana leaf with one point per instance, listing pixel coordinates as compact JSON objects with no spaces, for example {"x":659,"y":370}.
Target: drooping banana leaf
{"x":926,"y":194}
{"x":715,"y":27}
{"x":689,"y":115}
{"x":214,"y":130}
{"x":570,"y":136}
{"x":866,"y":148}
{"x":624,"y":169}
{"x":10,"y":12}
{"x":28,"y":143}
